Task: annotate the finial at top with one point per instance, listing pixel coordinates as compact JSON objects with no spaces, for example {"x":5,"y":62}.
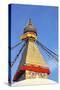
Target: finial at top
{"x":30,"y":27}
{"x":30,"y":21}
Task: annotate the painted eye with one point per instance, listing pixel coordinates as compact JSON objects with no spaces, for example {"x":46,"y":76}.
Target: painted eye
{"x":33,"y":74}
{"x":42,"y":75}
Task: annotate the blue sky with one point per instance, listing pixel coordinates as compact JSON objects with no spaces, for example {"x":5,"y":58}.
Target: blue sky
{"x":45,"y":20}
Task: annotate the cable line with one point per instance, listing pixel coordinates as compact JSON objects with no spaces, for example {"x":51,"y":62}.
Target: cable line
{"x":15,"y":45}
{"x":17,"y":55}
{"x":51,"y":53}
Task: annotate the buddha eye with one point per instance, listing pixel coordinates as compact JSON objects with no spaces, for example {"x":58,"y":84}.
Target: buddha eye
{"x":33,"y":74}
{"x":42,"y":75}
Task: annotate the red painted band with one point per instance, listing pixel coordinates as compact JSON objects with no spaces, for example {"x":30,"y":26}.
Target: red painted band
{"x":35,"y":69}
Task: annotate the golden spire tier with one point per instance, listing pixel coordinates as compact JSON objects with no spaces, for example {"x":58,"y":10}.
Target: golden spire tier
{"x":29,"y":31}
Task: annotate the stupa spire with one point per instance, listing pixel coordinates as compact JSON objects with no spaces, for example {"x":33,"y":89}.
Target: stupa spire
{"x":30,"y":27}
{"x":30,"y":21}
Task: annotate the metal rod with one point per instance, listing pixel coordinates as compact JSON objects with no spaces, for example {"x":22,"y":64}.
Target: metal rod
{"x":17,"y":55}
{"x":15,"y":45}
{"x":47,"y":50}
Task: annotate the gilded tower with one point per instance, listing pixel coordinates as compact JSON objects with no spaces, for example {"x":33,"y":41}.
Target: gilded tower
{"x":32,"y":64}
